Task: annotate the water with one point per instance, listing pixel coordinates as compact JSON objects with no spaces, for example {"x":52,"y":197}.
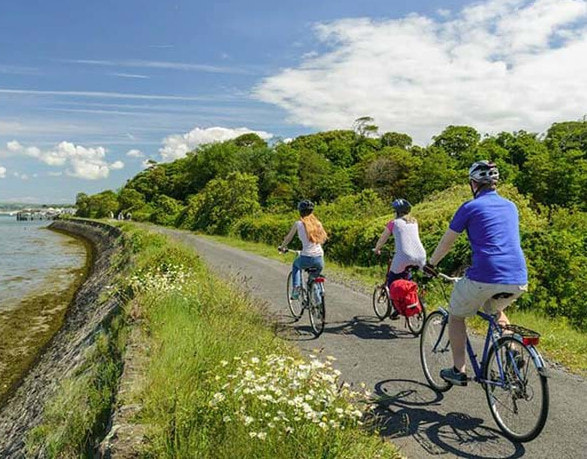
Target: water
{"x":34,"y":260}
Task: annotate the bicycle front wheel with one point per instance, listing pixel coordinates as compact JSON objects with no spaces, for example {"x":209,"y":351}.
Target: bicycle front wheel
{"x":296,"y":306}
{"x":381,"y":302}
{"x":435,"y":350}
{"x":416,"y":322}
{"x":317,"y":308}
{"x":519,"y":400}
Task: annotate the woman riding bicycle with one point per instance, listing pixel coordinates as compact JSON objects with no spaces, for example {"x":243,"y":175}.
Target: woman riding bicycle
{"x":312,"y":234}
{"x":409,"y":250}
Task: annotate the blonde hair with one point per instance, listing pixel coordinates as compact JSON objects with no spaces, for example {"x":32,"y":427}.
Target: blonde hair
{"x":314,"y":229}
{"x":409,"y":219}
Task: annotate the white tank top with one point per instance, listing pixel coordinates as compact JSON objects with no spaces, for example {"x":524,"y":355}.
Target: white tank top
{"x":309,"y":249}
{"x":409,"y":250}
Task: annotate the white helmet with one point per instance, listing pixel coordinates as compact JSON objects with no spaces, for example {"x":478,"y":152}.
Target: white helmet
{"x":484,"y":172}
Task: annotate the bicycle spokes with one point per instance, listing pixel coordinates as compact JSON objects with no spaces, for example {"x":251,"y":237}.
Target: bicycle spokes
{"x":516,"y":390}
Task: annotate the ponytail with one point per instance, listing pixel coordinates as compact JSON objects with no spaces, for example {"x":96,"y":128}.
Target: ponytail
{"x":314,"y":229}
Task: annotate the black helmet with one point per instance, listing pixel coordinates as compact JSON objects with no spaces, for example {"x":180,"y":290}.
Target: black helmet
{"x":401,"y":206}
{"x":484,"y":172}
{"x":306,"y":207}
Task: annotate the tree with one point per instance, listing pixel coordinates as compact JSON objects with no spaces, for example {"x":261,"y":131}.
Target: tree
{"x":569,"y":135}
{"x":250,"y":140}
{"x":102,"y":204}
{"x":82,"y":204}
{"x":130,"y":199}
{"x":394,"y":174}
{"x":221,"y":203}
{"x":166,"y":210}
{"x":460,"y":142}
{"x":438,"y":171}
{"x":556,"y":178}
{"x":395,"y":139}
{"x":365,"y":127}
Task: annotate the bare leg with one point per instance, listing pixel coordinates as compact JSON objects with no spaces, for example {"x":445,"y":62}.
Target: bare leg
{"x":502,"y":319}
{"x":457,"y":332}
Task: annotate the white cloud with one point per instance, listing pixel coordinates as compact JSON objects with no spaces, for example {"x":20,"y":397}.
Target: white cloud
{"x":117,"y":165}
{"x":14,"y":146}
{"x":496,"y":65}
{"x":135,"y":153}
{"x":112,"y":95}
{"x":163,"y":65}
{"x":131,"y":75}
{"x":177,"y":145}
{"x":82,"y":162}
{"x":2,"y":172}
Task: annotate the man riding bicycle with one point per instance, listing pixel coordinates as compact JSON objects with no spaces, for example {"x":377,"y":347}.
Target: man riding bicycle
{"x":498,"y":272}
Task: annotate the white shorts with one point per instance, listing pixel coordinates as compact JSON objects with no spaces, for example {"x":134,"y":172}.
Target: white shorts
{"x":468,"y":296}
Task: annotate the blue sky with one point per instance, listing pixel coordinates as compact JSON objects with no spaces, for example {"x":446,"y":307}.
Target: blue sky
{"x":89,"y":90}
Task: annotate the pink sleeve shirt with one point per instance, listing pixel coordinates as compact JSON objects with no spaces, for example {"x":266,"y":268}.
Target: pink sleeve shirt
{"x":389,"y":226}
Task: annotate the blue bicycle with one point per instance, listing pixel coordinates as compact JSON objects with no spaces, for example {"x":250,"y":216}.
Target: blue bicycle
{"x":310,"y":297}
{"x":511,"y":371}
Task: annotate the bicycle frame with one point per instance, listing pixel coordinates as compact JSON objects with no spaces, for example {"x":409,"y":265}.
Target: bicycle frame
{"x":494,"y":332}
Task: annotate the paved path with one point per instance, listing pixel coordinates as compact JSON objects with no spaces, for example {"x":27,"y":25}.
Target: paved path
{"x":385,"y":356}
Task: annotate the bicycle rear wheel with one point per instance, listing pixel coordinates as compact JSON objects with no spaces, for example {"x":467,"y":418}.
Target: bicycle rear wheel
{"x":519,"y":401}
{"x":296,"y":306}
{"x":317,"y":307}
{"x":416,"y":322}
{"x":435,"y":351}
{"x":381,"y":304}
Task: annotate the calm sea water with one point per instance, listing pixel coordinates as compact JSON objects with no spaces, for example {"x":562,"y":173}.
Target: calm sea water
{"x":34,"y":260}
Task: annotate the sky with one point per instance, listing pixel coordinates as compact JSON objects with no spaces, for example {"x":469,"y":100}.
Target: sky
{"x":89,"y":91}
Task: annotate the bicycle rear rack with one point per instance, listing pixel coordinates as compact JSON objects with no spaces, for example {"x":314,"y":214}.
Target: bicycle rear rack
{"x":529,"y":337}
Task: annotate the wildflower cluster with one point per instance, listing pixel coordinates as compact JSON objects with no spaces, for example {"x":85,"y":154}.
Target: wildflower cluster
{"x":278,"y":395}
{"x":162,"y":279}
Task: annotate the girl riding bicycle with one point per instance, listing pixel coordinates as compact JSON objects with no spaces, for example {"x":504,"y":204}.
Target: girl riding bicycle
{"x":312,"y":234}
{"x":409,"y":250}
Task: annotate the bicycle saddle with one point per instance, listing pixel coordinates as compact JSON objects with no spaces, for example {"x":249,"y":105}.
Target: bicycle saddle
{"x":311,"y":270}
{"x":501,"y":295}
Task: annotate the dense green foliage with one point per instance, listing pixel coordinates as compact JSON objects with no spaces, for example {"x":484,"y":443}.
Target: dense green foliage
{"x":248,"y":188}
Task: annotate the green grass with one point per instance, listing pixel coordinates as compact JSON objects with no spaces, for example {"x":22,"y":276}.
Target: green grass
{"x":560,"y":341}
{"x":202,"y":333}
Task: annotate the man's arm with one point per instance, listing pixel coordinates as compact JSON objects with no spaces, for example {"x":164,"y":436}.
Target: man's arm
{"x":443,"y":247}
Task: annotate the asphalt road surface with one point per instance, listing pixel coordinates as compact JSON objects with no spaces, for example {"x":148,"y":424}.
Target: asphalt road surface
{"x":385,"y":356}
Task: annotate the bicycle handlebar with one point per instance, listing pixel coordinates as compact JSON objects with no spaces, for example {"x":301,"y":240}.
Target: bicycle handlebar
{"x":286,"y":250}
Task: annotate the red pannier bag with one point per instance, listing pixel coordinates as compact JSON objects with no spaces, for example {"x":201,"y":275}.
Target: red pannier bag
{"x":404,"y":295}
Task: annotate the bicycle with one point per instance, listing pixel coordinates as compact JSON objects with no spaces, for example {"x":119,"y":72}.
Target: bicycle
{"x":382,"y":304}
{"x":511,"y":371}
{"x":311,"y":297}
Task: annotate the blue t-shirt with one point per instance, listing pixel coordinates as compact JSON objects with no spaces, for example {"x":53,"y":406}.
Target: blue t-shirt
{"x":492,"y":225}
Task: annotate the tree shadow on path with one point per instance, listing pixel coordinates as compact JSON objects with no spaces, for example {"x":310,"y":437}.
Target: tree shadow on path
{"x":407,"y":408}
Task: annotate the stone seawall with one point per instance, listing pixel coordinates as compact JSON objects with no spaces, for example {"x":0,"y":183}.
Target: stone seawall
{"x":66,"y":351}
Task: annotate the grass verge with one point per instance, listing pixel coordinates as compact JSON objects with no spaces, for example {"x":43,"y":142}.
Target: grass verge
{"x":219,"y":383}
{"x":560,"y":341}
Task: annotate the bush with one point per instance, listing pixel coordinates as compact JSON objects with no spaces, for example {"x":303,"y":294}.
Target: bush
{"x":166,"y":211}
{"x":221,"y":203}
